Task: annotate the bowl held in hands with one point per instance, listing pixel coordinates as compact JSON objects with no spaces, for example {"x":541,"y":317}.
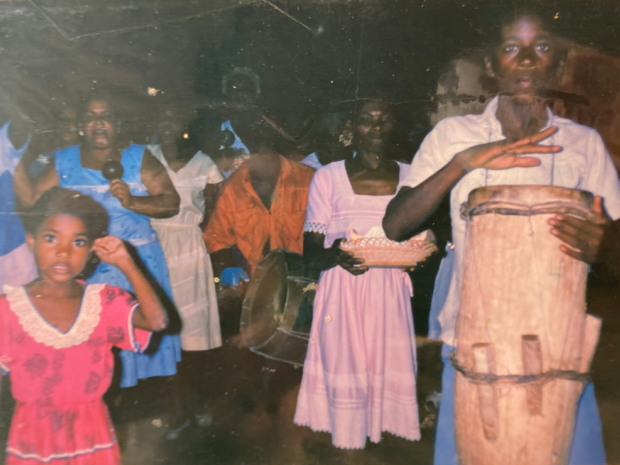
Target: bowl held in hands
{"x":380,"y":252}
{"x":112,"y":169}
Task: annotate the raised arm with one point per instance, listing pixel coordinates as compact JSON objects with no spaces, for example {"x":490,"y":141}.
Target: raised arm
{"x":163,"y":200}
{"x":150,"y":315}
{"x":28,"y":191}
{"x":413,"y":206}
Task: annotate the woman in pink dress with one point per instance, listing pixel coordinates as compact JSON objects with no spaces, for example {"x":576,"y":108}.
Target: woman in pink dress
{"x":359,"y":373}
{"x":56,"y":334}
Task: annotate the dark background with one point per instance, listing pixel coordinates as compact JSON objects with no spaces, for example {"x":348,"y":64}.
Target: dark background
{"x":53,"y":51}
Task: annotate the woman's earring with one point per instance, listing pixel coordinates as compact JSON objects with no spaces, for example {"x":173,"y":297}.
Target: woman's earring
{"x":346,"y":138}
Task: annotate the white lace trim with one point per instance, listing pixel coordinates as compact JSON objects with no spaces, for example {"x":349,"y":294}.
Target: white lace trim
{"x":42,"y":332}
{"x":315,"y":227}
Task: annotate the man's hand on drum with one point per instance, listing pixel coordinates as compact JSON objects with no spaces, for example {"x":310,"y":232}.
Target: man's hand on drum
{"x":346,"y":260}
{"x":582,"y":238}
{"x":506,"y":154}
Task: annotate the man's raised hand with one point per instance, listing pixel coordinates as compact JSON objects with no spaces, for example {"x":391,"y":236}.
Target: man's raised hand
{"x":504,"y":154}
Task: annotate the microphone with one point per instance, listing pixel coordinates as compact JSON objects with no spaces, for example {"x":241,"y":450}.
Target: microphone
{"x":112,"y":169}
{"x":227,"y":138}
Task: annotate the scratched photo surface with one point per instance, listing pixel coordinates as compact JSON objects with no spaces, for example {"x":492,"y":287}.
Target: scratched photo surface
{"x":302,"y":70}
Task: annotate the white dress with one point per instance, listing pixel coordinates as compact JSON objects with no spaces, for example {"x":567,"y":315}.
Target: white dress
{"x":359,"y":374}
{"x":189,"y":264}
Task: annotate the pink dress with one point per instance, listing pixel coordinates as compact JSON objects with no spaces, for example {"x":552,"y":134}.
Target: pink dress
{"x":359,"y":373}
{"x":58,"y":379}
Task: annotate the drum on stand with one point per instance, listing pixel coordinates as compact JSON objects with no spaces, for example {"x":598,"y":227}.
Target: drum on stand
{"x":277,"y":311}
{"x":524,"y":341}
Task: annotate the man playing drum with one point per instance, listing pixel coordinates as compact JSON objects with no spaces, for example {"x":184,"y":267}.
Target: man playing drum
{"x":464,"y":153}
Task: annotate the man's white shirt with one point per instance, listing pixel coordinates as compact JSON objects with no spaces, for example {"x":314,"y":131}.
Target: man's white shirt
{"x":582,"y":164}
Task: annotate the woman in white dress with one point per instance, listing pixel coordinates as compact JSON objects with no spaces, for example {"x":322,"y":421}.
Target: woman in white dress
{"x":197,"y":180}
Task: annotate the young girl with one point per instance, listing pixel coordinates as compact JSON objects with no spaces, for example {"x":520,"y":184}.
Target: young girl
{"x":56,"y":334}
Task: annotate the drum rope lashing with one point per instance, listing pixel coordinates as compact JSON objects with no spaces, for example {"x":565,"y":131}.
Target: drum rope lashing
{"x":508,"y":208}
{"x":521,"y":380}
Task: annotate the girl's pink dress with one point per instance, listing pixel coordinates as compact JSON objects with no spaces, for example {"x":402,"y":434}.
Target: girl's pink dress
{"x":359,"y":373}
{"x":58,"y":379}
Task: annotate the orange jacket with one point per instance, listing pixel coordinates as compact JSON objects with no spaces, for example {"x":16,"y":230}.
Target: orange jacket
{"x":240,"y":217}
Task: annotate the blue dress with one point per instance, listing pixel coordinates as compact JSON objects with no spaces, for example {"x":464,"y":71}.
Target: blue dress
{"x":12,"y":234}
{"x":17,"y":265}
{"x":238,"y":146}
{"x":135,"y":229}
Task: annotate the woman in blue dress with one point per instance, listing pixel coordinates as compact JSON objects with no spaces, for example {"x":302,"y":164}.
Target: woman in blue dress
{"x":144,"y":191}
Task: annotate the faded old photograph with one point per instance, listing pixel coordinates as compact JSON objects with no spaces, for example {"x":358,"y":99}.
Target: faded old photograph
{"x":320,"y":232}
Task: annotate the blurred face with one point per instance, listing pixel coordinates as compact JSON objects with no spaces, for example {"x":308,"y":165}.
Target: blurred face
{"x":99,"y":125}
{"x":170,"y":129}
{"x":69,"y":127}
{"x":373,"y":126}
{"x":256,"y":133}
{"x":328,"y":142}
{"x":525,"y":60}
{"x":61,"y":248}
{"x":241,"y":90}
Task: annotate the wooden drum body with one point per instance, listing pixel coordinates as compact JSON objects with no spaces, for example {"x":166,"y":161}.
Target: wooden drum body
{"x":524,"y":342}
{"x":277,"y":311}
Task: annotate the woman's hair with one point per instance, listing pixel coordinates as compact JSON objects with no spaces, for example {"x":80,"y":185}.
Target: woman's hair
{"x":361,"y":101}
{"x":59,"y":201}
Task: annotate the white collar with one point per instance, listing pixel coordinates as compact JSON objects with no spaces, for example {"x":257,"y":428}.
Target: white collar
{"x":42,"y":331}
{"x":489,"y":116}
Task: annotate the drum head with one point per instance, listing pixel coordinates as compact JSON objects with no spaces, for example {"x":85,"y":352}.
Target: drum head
{"x":529,"y":195}
{"x":528,"y":200}
{"x":277,"y":310}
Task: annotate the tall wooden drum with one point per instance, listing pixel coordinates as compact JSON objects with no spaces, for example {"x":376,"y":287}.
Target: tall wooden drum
{"x":524,"y":342}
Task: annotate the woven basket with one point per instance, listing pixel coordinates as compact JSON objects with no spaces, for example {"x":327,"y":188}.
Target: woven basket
{"x":380,"y":252}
